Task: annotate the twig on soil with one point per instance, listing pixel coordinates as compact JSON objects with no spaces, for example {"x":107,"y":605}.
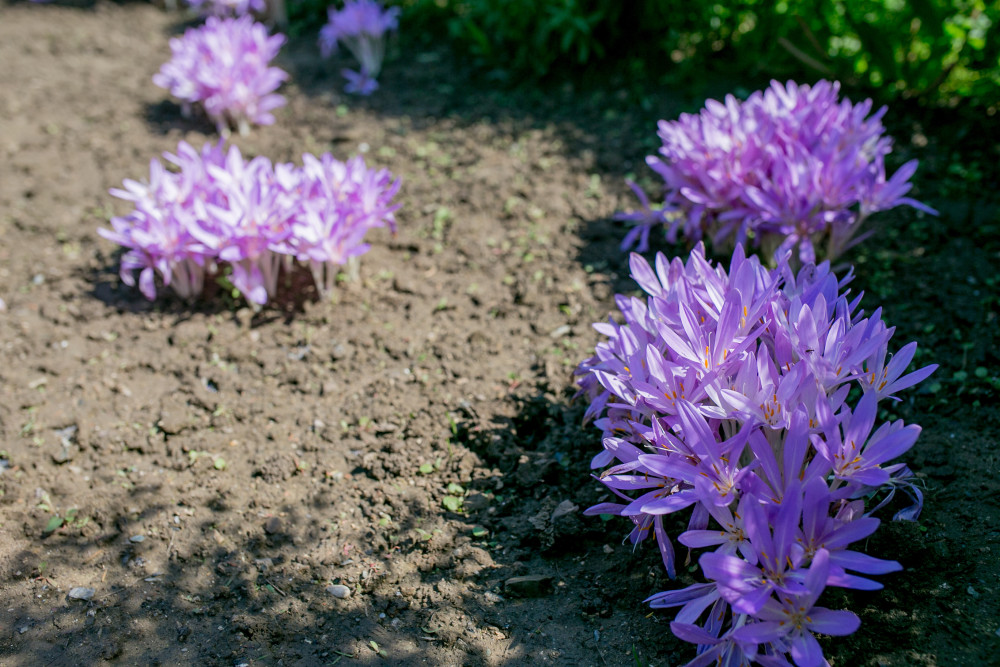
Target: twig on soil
{"x":275,"y":586}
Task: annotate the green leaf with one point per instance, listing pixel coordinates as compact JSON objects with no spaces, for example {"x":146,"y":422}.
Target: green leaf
{"x":456,"y":489}
{"x":479,"y":38}
{"x":453,"y":503}
{"x":54,"y":524}
{"x":873,"y":42}
{"x":426,"y":469}
{"x":479,"y":531}
{"x":219,"y":463}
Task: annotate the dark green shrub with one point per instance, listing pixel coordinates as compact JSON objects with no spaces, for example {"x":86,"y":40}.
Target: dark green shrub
{"x":935,"y":49}
{"x":926,"y":48}
{"x":533,"y":35}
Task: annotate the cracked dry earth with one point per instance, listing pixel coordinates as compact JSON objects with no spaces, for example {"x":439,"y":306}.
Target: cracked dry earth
{"x":203,"y":484}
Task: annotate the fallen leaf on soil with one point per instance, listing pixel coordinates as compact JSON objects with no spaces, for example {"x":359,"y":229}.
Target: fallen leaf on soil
{"x":529,"y":586}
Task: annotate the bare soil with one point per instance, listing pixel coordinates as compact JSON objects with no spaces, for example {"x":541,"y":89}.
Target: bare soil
{"x":211,"y":472}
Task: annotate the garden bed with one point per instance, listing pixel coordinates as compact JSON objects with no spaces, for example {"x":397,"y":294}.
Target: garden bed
{"x":210,"y":477}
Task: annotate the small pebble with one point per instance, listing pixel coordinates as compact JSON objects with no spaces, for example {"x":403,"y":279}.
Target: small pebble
{"x":342,"y":351}
{"x":81,"y":593}
{"x":273,"y":525}
{"x":137,"y":538}
{"x":492,"y":597}
{"x":559,"y":332}
{"x":339,"y":591}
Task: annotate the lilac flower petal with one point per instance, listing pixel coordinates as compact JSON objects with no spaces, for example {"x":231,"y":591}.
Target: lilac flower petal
{"x":730,"y":571}
{"x":702,"y":538}
{"x":806,"y":651}
{"x":859,"y":562}
{"x":692,"y":633}
{"x":665,"y":545}
{"x":603,"y":508}
{"x":758,"y":633}
{"x":851,"y":532}
{"x":831,"y":622}
{"x":671,"y":503}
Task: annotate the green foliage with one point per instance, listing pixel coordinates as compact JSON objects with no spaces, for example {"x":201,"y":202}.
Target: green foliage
{"x":927,"y":48}
{"x":532,"y":35}
{"x":307,"y":16}
{"x":936,"y":49}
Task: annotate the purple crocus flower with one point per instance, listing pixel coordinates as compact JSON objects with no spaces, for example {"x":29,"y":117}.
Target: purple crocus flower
{"x":726,"y":392}
{"x":856,"y":453}
{"x":792,"y":168}
{"x":822,"y":529}
{"x":251,"y":231}
{"x":715,"y":651}
{"x":161,"y":234}
{"x":361,"y":26}
{"x":341,"y":201}
{"x":788,"y":622}
{"x":253,"y":216}
{"x":223,"y":67}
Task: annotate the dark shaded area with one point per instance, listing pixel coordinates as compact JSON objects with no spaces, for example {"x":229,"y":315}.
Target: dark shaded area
{"x":166,"y":116}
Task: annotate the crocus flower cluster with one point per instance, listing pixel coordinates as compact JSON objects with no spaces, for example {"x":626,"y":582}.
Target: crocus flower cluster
{"x":727,"y":393}
{"x":361,"y":26}
{"x":223,"y":66}
{"x":228,"y":7}
{"x":789,"y":168}
{"x":255,"y":216}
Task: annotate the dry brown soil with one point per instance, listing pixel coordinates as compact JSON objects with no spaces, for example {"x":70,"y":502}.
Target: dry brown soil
{"x":211,"y":472}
